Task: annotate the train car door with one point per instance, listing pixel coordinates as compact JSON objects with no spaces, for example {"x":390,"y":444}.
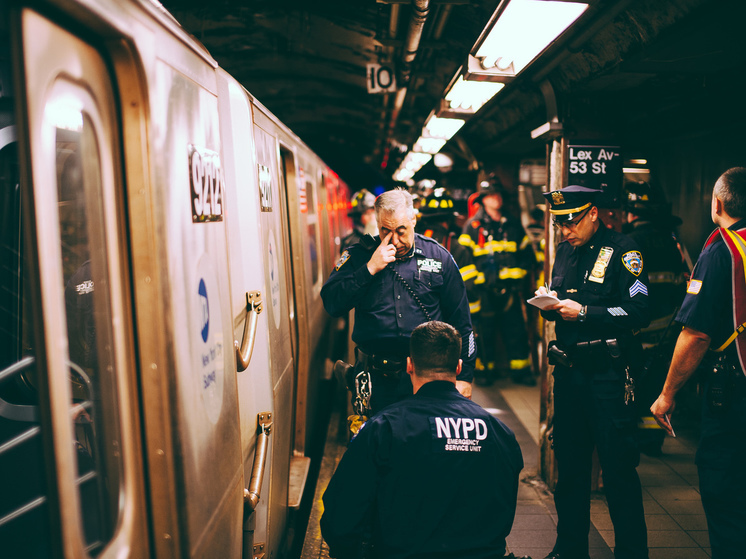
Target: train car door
{"x":74,"y":411}
{"x":250,"y":283}
{"x":275,"y":244}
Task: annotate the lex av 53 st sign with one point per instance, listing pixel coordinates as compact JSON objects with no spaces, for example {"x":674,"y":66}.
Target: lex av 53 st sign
{"x":597,"y":167}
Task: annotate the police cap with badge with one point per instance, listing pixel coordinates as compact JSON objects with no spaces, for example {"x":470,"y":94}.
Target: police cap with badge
{"x":568,"y":203}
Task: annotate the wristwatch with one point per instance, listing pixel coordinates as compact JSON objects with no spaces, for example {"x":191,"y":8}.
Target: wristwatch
{"x":582,"y":314}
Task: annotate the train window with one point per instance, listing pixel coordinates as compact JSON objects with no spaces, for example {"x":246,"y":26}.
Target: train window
{"x":24,"y":494}
{"x":24,"y":514}
{"x":89,"y":322}
{"x":313,"y":225}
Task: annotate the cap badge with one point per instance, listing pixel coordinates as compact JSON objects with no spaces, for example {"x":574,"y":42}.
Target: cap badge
{"x":557,"y":198}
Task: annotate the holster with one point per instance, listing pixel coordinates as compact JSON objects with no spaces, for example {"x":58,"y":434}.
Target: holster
{"x":555,"y":356}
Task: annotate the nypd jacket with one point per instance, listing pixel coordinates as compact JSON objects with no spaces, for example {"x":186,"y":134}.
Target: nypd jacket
{"x":386,"y":304}
{"x":400,"y":477}
{"x":606,"y":274}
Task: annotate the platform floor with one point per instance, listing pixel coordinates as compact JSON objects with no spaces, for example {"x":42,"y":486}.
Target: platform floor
{"x":677,"y":528}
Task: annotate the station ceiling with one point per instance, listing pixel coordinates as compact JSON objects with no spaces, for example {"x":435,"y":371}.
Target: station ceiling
{"x":643,"y":67}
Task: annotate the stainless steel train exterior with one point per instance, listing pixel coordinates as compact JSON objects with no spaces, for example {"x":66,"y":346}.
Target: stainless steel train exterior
{"x":164,"y":242}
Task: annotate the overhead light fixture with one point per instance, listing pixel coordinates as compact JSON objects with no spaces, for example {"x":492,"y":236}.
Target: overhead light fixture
{"x":429,"y":145}
{"x":442,"y":128}
{"x":466,"y":97}
{"x":516,"y":34}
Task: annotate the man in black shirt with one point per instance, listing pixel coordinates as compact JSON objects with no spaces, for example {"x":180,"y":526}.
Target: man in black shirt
{"x":396,"y":480}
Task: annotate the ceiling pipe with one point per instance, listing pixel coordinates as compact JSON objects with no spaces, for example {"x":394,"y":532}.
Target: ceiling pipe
{"x":393,"y":21}
{"x":420,"y":11}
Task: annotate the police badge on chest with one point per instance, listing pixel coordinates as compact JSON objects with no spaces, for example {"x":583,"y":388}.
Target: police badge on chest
{"x":602,"y":262}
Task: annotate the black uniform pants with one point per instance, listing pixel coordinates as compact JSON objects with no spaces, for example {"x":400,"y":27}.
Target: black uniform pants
{"x":505,"y":316}
{"x":720,"y":461}
{"x":388,"y":384}
{"x":589,"y":411}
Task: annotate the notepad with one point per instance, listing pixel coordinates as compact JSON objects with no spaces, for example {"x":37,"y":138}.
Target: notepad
{"x":543,"y":301}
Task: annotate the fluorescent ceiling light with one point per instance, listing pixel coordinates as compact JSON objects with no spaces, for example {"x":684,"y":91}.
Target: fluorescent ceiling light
{"x":524,"y":30}
{"x":443,"y":128}
{"x":414,"y":160}
{"x":635,"y":171}
{"x":471,"y":96}
{"x":428,"y":145}
{"x":638,"y":161}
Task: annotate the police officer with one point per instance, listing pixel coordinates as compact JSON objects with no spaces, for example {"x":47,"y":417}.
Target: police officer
{"x":395,"y":283}
{"x":598,"y":276}
{"x":651,"y":225}
{"x":363,"y":217}
{"x":396,"y":479}
{"x":714,"y":336}
{"x":503,"y":255}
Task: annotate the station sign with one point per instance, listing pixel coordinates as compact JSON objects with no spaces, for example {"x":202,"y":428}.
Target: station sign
{"x":598,"y":167}
{"x":381,"y":78}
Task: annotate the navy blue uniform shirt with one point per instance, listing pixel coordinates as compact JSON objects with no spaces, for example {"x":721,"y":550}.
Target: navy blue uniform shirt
{"x":405,"y":471}
{"x":708,"y":305}
{"x":385,"y":310}
{"x":608,"y":275}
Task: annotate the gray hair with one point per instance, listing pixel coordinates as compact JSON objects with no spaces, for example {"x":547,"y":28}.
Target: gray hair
{"x":730,"y":189}
{"x":393,"y":201}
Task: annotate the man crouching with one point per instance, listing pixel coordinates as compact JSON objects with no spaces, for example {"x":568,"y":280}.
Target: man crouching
{"x":399,"y":490}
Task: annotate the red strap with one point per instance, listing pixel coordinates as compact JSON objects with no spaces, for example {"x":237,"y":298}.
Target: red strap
{"x":736,"y":243}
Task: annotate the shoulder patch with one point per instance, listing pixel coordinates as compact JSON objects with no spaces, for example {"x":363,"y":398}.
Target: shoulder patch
{"x":694,"y":287}
{"x":633,"y":261}
{"x":342,"y":259}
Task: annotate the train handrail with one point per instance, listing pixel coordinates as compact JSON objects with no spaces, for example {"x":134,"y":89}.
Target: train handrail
{"x":252,"y":495}
{"x":246,"y":347}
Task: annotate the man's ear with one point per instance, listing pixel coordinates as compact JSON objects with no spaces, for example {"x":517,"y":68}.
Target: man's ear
{"x":718,"y":206}
{"x":458,"y":367}
{"x":410,"y":366}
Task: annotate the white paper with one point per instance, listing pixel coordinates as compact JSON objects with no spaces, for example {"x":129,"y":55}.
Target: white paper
{"x":543,"y":301}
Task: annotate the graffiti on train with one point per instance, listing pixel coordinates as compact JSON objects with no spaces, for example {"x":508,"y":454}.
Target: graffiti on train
{"x":209,"y":358}
{"x":207,"y":184}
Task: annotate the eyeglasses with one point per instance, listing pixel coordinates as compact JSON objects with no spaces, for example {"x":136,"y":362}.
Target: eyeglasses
{"x":571,"y":225}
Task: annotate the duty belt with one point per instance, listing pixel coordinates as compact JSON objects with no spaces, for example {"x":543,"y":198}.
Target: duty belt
{"x":384,"y":364}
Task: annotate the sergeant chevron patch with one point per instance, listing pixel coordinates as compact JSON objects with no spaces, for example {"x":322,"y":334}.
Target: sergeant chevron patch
{"x":637,"y":287}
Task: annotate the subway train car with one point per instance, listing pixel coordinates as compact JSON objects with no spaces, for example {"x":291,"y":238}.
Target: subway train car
{"x":164,"y":240}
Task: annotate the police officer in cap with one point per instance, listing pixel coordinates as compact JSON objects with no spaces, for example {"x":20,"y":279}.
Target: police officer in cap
{"x":397,"y":479}
{"x":714,"y":317}
{"x":396,"y":282}
{"x":504,"y":256}
{"x":599,"y":277}
{"x":363,"y":217}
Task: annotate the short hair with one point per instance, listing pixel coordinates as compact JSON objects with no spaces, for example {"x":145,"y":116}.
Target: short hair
{"x":730,"y":189}
{"x":435,"y":348}
{"x":394,"y":201}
